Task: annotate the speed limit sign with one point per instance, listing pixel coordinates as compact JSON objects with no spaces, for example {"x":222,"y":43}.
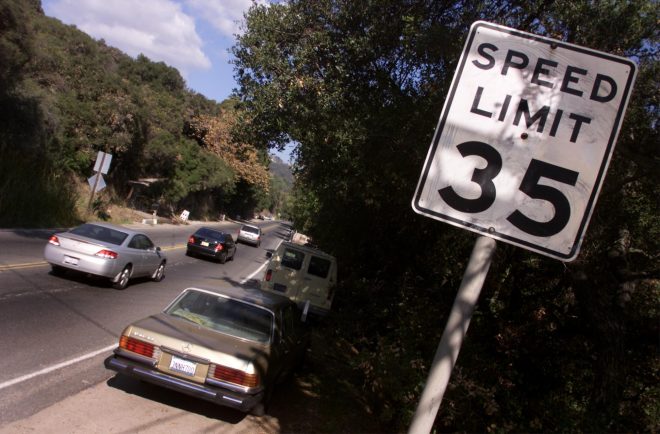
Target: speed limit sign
{"x":524,"y":139}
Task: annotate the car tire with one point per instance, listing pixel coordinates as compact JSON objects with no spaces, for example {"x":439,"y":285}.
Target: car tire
{"x":222,"y":258}
{"x":56,"y":270}
{"x":159,"y":274}
{"x":261,"y":408}
{"x":124,"y":276}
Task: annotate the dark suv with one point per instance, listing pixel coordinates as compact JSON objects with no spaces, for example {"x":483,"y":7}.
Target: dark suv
{"x":211,"y":243}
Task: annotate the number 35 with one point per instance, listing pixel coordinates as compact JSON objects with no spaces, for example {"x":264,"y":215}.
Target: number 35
{"x":529,"y":185}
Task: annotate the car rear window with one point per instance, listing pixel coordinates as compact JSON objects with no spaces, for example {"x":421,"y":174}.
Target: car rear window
{"x":318,"y":267}
{"x":209,"y":233}
{"x":100,"y":233}
{"x":250,"y":229}
{"x":225,"y":315}
{"x":292,"y":258}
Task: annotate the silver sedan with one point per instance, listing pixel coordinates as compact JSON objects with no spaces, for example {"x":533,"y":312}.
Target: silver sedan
{"x":106,"y":250}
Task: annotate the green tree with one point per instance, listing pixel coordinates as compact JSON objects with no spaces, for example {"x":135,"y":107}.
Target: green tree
{"x":359,"y":86}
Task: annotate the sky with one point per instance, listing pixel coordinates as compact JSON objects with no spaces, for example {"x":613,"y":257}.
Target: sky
{"x":193,"y":36}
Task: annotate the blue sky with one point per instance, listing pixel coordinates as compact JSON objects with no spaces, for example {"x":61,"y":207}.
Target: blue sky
{"x":194,"y":36}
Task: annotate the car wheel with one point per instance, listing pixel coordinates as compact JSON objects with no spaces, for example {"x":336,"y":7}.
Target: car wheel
{"x":159,"y":273}
{"x":233,"y":255}
{"x":262,"y":407}
{"x":57,"y":270}
{"x":222,"y":258}
{"x":122,"y":281}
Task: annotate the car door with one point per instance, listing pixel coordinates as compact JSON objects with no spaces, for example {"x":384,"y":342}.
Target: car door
{"x":293,"y":336}
{"x":317,"y":278}
{"x":141,"y":257}
{"x":150,"y":255}
{"x":231,"y":245}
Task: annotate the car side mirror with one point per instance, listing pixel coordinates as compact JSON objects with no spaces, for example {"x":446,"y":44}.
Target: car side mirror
{"x":158,"y":249}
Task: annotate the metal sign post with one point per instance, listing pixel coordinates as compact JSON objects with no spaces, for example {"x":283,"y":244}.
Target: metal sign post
{"x":453,"y":335}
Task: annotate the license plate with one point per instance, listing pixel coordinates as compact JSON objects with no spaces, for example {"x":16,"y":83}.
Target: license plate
{"x":70,"y":260}
{"x":183,"y":366}
{"x":205,"y":243}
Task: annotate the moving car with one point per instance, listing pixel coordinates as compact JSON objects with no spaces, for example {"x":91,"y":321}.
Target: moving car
{"x":303,"y":274}
{"x":106,"y":250}
{"x":250,"y":234}
{"x":230,"y":346}
{"x":211,"y":243}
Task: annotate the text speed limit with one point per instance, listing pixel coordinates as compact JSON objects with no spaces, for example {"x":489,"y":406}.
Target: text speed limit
{"x":524,"y":139}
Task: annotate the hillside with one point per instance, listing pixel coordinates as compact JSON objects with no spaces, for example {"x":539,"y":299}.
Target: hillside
{"x":65,"y":96}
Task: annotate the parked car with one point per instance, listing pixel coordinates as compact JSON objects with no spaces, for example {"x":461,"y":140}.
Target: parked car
{"x":303,"y":274}
{"x":230,"y":347}
{"x":211,"y":243}
{"x":106,"y":250}
{"x":250,"y":235}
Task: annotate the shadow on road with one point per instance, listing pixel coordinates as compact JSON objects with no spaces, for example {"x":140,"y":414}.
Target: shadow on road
{"x":175,"y":399}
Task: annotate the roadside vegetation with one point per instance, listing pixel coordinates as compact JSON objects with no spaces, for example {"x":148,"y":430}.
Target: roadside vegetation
{"x":65,"y":96}
{"x":553,"y":347}
{"x":357,"y":86}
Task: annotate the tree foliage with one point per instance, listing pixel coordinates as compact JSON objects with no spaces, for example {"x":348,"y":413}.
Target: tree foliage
{"x":65,"y":96}
{"x":358,"y":87}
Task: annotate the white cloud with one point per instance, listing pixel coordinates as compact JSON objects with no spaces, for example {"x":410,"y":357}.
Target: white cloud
{"x":159,"y":29}
{"x":224,"y":15}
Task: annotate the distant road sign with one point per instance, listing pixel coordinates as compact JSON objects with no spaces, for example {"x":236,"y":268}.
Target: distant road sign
{"x":102,"y":162}
{"x":524,"y":139}
{"x":100,"y":185}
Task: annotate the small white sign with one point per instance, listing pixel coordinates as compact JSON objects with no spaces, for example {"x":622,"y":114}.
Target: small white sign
{"x":92,"y":180}
{"x":184,"y":215}
{"x":102,"y":162}
{"x":524,"y":139}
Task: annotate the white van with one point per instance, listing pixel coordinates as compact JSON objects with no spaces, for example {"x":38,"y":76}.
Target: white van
{"x":303,"y":274}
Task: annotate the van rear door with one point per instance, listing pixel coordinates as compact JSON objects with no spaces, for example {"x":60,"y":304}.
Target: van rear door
{"x":317,"y":281}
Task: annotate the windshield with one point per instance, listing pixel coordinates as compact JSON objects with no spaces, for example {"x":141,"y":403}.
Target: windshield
{"x":100,"y":233}
{"x":226,"y":315}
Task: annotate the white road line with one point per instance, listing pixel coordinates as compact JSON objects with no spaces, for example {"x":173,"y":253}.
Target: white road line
{"x":244,"y":281}
{"x":56,"y":367}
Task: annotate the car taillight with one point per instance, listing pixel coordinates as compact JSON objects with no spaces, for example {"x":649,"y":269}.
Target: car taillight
{"x":218,"y":247}
{"x":106,"y":254}
{"x":54,"y":241}
{"x":191,"y":240}
{"x":269,"y":275}
{"x":137,"y":346}
{"x":235,"y":376}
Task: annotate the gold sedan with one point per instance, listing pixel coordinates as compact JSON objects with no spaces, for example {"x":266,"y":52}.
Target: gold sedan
{"x":230,"y":346}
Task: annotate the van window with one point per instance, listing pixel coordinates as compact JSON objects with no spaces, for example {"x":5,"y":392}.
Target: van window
{"x":318,"y":267}
{"x":292,"y":258}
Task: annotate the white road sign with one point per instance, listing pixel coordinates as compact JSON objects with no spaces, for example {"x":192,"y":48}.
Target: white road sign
{"x":102,"y":162}
{"x":524,"y":139}
{"x":100,"y":185}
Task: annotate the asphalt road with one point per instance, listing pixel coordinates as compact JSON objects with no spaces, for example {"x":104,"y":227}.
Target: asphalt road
{"x":56,"y":331}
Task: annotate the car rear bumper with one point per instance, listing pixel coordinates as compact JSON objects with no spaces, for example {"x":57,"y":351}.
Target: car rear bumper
{"x":217,"y":395}
{"x":83,"y":263}
{"x":201,"y":250}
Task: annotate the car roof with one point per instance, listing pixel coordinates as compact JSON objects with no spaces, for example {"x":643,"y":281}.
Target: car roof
{"x":123,"y":229}
{"x":250,"y":295}
{"x":308,"y":249}
{"x":217,"y":231}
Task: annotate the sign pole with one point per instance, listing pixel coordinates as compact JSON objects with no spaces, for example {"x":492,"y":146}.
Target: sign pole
{"x":96,"y":182}
{"x":453,"y":335}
